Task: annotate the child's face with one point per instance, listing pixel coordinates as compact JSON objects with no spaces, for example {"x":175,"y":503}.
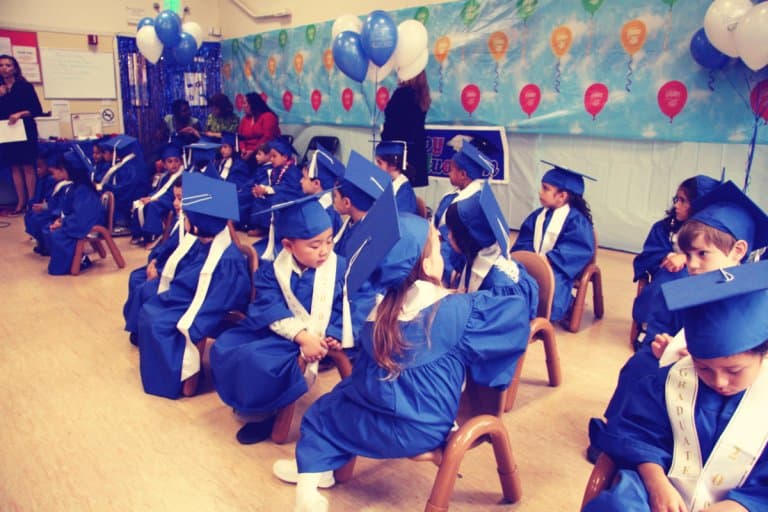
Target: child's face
{"x":277,"y":159}
{"x":455,"y":175}
{"x":340,"y":203}
{"x":226,"y":151}
{"x":552,"y":197}
{"x":177,"y":199}
{"x":96,"y":154}
{"x":172,"y":164}
{"x":106,"y":156}
{"x":312,"y":252}
{"x":729,"y":375}
{"x":706,"y":257}
{"x":59,"y":173}
{"x":433,"y":262}
{"x":42,"y":167}
{"x":308,"y":185}
{"x":682,"y":205}
{"x":262,"y":157}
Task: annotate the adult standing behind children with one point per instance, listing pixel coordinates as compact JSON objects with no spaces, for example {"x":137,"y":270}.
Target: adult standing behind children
{"x":259,"y":125}
{"x":18,"y":101}
{"x":404,"y":119}
{"x":222,"y":117}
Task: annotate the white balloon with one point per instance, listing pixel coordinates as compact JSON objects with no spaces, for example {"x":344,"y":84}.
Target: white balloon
{"x":751,"y":36}
{"x":720,"y":23}
{"x":414,"y":68}
{"x":378,"y":73}
{"x":411,"y":42}
{"x":195,"y":30}
{"x":149,"y":44}
{"x":346,"y":22}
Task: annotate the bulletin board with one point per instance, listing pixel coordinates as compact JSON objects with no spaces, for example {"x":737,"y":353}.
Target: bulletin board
{"x":23,"y":46}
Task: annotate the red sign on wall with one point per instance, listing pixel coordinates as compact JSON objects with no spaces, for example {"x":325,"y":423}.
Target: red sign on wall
{"x":22,"y":46}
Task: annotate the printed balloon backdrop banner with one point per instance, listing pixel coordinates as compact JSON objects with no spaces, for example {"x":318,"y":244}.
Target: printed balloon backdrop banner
{"x":635,"y":69}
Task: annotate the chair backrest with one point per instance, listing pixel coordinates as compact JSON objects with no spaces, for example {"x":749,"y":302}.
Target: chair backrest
{"x":108,"y":202}
{"x":253,"y":263}
{"x":421,"y":208}
{"x":539,"y":268}
{"x":168,"y":224}
{"x":593,"y":261}
{"x":477,"y":400}
{"x":329,"y":142}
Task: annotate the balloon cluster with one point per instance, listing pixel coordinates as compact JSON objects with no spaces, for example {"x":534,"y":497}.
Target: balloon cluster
{"x":372,"y":49}
{"x":732,"y":28}
{"x":166,"y":31}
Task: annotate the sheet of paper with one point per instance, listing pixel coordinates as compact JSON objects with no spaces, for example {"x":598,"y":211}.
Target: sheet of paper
{"x":60,"y":109}
{"x":12,"y":132}
{"x":5,"y":46}
{"x":85,"y":126}
{"x":671,"y":353}
{"x":25,"y":54}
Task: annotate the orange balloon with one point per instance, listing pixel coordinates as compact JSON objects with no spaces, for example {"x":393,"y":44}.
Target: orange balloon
{"x":497,"y":45}
{"x":442,"y":47}
{"x":298,"y":63}
{"x":272,"y":66}
{"x":328,"y":60}
{"x":633,"y":35}
{"x":561,"y":40}
{"x":227,"y":70}
{"x":248,"y":69}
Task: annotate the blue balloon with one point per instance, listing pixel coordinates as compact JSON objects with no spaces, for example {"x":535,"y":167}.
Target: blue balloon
{"x":379,"y":37}
{"x":143,"y":22}
{"x":186,"y":49}
{"x":349,"y":55}
{"x":706,"y":55}
{"x":168,"y":58}
{"x":168,"y":28}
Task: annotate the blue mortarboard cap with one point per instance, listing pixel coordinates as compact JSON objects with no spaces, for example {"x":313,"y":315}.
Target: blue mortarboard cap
{"x":724,"y":311}
{"x":169,"y":151}
{"x":325,"y":167}
{"x":52,"y":158}
{"x":301,"y":218}
{"x":730,"y":210}
{"x":76,"y":168}
{"x":705,"y":185}
{"x":85,"y":161}
{"x":209,"y":196}
{"x":283,"y":146}
{"x":565,"y":179}
{"x":372,"y":239}
{"x":229,"y":138}
{"x":201,"y":151}
{"x":363,"y":182}
{"x":398,"y":148}
{"x":473,"y":162}
{"x":402,"y":257}
{"x":120,"y":144}
{"x":482,"y":216}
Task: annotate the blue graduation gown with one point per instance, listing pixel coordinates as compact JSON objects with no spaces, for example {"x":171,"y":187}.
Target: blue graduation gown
{"x":375,"y":417}
{"x":642,"y":433}
{"x":501,"y":284}
{"x":128,"y":183}
{"x":336,"y":220}
{"x":572,"y":251}
{"x":36,"y":221}
{"x":161,"y":344}
{"x":100,"y":170}
{"x":341,"y":245}
{"x":43,"y":189}
{"x":406,"y":199}
{"x":259,"y":204}
{"x":286,"y":182}
{"x":254,"y":369}
{"x":81,"y":211}
{"x":155,"y":211}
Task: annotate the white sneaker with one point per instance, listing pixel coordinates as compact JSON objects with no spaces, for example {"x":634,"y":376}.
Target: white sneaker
{"x":287,"y":471}
{"x":314,"y":502}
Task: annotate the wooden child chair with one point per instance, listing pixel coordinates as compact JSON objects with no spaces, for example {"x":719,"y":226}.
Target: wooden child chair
{"x":634,"y":329}
{"x":600,"y":479}
{"x":541,"y":327}
{"x":99,"y":233}
{"x":479,"y":421}
{"x":590,"y":274}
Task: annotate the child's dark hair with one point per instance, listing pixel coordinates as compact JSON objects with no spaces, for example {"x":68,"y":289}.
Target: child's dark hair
{"x":77,"y":174}
{"x":393,"y":160}
{"x":461,"y":235}
{"x":578,"y":202}
{"x":222,"y":102}
{"x":177,"y":182}
{"x":691,"y":189}
{"x":694,"y":229}
{"x":176,"y":106}
{"x":761,"y":349}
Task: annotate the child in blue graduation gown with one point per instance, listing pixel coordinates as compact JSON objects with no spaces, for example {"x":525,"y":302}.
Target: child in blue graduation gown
{"x":661,"y":260}
{"x":143,"y":281}
{"x":693,"y":437}
{"x":150,"y":211}
{"x":126,"y":178}
{"x":318,"y":177}
{"x":467,"y":170}
{"x":81,"y":210}
{"x":391,"y":157}
{"x":258,"y":222}
{"x":478,"y":231}
{"x":562,"y":231}
{"x":234,"y":170}
{"x":204,"y":278}
{"x":50,"y":189}
{"x":417,"y":346}
{"x":297,"y":310}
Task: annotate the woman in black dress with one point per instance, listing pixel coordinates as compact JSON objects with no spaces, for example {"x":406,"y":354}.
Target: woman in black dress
{"x":19,"y":102}
{"x":404,"y":120}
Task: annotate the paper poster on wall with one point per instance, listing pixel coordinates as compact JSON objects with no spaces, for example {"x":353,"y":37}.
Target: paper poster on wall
{"x":5,"y":46}
{"x":86,"y":125}
{"x":194,"y":89}
{"x":48,"y":127}
{"x":27,"y":58}
{"x":60,"y":109}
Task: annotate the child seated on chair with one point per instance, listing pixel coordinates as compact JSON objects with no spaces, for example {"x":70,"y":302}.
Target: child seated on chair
{"x":468,"y":168}
{"x":81,"y":209}
{"x":661,"y":259}
{"x":392,"y":157}
{"x":150,"y":211}
{"x":417,"y":346}
{"x":562,"y":231}
{"x":693,"y":436}
{"x":204,"y":278}
{"x":143,"y":281}
{"x":318,"y":177}
{"x":201,"y":157}
{"x":362,"y":184}
{"x":258,"y":222}
{"x":234,"y":170}
{"x":478,"y":231}
{"x":126,"y":178}
{"x":50,"y":190}
{"x":725,"y":226}
{"x":104,"y":162}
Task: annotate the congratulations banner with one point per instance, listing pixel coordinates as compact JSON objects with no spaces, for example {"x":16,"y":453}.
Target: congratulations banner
{"x":444,"y":141}
{"x":611,"y":69}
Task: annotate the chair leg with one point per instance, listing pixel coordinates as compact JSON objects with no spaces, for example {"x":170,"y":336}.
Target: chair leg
{"x":547,"y":336}
{"x":189,"y":386}
{"x":577,"y":311}
{"x":75,"y":268}
{"x":115,"y":251}
{"x":509,"y":403}
{"x":506,"y":466}
{"x":597,"y":293}
{"x":345,"y":472}
{"x":282,"y":426}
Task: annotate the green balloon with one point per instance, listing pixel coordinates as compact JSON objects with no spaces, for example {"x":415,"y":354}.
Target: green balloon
{"x":526,"y":7}
{"x":670,"y":3}
{"x":591,"y":6}
{"x":257,"y":42}
{"x":282,"y":38}
{"x":310,"y":33}
{"x":422,"y":15}
{"x":235,"y":45}
{"x":470,"y":12}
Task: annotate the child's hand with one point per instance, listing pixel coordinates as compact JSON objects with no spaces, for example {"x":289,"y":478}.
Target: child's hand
{"x":313,"y":348}
{"x":659,"y":344}
{"x":674,"y":262}
{"x":55,"y":225}
{"x":145,"y":200}
{"x":662,"y":495}
{"x":333,"y":343}
{"x":258,"y":191}
{"x":152,"y":273}
{"x":37,"y":207}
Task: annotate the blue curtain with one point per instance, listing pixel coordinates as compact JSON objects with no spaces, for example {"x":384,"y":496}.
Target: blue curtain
{"x":149,"y":89}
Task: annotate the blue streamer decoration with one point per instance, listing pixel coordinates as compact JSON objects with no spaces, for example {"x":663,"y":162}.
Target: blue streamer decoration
{"x":557,"y":76}
{"x":628,"y":85}
{"x":496,"y":79}
{"x":711,"y":80}
{"x":440,"y":76}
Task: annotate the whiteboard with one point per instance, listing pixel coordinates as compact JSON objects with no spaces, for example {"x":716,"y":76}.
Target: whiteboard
{"x":76,"y":74}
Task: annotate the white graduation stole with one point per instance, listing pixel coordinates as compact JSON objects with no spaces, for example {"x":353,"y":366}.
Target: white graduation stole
{"x":473,"y":187}
{"x":112,"y":170}
{"x":224,"y":168}
{"x":543,"y":242}
{"x":316,"y":321}
{"x":487,"y":258}
{"x":419,"y":296}
{"x":398,"y":182}
{"x":735,"y":452}
{"x":343,"y":228}
{"x":326,"y":200}
{"x":59,"y":185}
{"x":139,"y":206}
